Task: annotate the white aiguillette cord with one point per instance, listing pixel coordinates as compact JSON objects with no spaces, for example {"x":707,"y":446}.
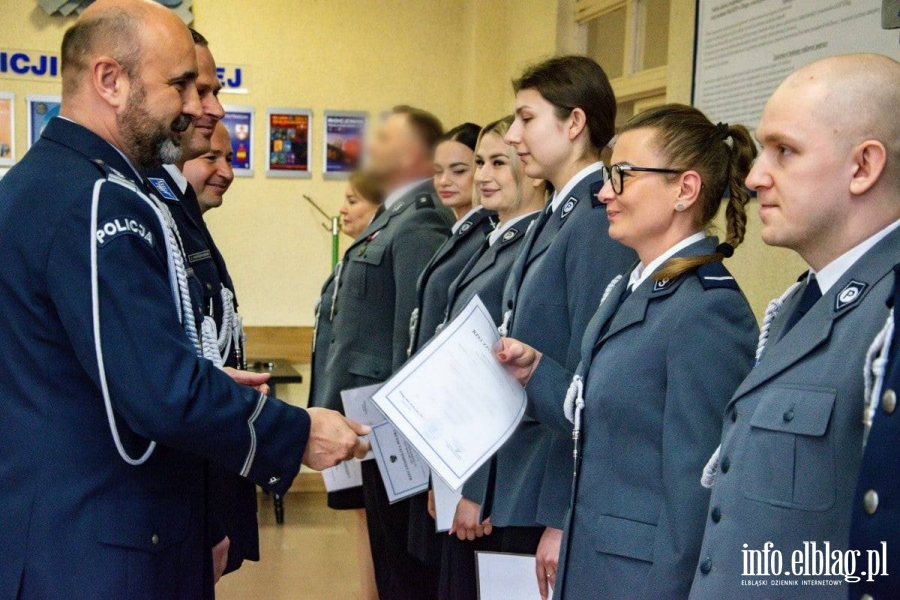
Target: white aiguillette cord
{"x":180,"y":295}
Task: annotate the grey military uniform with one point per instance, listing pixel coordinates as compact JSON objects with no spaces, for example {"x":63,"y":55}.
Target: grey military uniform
{"x":321,"y":340}
{"x":658,"y":370}
{"x":552,"y":292}
{"x":792,"y":437}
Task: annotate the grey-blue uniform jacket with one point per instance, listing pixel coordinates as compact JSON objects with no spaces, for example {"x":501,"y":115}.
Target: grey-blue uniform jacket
{"x":439,"y":273}
{"x":792,"y":436}
{"x":321,"y":340}
{"x":553,"y":290}
{"x":377,"y":292}
{"x":76,"y":520}
{"x":658,"y":371}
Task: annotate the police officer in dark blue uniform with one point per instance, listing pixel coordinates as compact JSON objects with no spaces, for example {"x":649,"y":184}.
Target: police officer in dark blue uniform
{"x":875,"y":528}
{"x":234,"y":531}
{"x":108,"y":413}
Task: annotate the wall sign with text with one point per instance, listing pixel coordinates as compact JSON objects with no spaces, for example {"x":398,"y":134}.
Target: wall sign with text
{"x":238,"y":120}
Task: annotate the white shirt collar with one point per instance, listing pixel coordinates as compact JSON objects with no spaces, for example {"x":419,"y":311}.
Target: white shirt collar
{"x":459,"y":222}
{"x":562,"y":194}
{"x":641,"y":273}
{"x":497,"y":233}
{"x":830,"y":274}
{"x":122,"y":154}
{"x":400,"y":192}
{"x":178,"y":177}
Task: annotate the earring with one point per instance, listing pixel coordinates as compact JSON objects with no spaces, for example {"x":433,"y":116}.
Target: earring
{"x":679,"y":207}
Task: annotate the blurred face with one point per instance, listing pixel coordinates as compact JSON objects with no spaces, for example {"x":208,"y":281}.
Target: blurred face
{"x":454,"y":174}
{"x":540,"y":138}
{"x":356,"y":212}
{"x":392,"y":148}
{"x":211,"y":174}
{"x":200,"y":132}
{"x":800,"y":176}
{"x":495,"y":175}
{"x":644,"y":211}
{"x":162,"y":98}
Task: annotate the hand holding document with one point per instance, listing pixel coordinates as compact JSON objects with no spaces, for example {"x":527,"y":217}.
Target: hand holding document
{"x":453,"y":401}
{"x":445,"y":502}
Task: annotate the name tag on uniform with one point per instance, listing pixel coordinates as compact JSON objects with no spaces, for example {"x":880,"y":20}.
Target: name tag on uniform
{"x":198,"y":256}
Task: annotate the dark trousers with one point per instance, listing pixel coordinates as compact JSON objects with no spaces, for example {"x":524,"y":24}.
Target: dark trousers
{"x":399,"y":575}
{"x":459,"y":575}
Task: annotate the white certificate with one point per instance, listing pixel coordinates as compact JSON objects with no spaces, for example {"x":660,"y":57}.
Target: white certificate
{"x":347,"y":474}
{"x":445,"y":502}
{"x":358,"y":406}
{"x":504,"y":576}
{"x":403,"y":471}
{"x":453,"y":400}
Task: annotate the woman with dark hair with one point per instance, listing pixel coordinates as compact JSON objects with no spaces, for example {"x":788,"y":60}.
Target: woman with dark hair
{"x":454,"y":165}
{"x":518,"y":200}
{"x":668,"y":346}
{"x":565,"y":112}
{"x":362,"y":200}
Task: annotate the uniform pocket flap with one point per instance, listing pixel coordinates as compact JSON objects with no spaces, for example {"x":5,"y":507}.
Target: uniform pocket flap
{"x":799,"y":410}
{"x":369,"y":365}
{"x":372,"y":255}
{"x":624,"y":537}
{"x":150,"y":523}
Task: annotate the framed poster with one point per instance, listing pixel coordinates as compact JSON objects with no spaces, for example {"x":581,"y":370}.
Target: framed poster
{"x":7,"y":129}
{"x":288,"y":134}
{"x":238,"y":120}
{"x":344,"y":142}
{"x":40,"y":110}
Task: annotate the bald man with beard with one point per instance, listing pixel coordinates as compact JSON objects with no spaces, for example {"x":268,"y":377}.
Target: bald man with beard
{"x":108,"y":416}
{"x":783,"y":479}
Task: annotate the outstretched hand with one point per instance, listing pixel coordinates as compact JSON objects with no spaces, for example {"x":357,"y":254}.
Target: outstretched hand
{"x":333,"y":438}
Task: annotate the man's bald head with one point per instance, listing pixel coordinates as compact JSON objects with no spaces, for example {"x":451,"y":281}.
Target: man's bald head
{"x":856,"y":95}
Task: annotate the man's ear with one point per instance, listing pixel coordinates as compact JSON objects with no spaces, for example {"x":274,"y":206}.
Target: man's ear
{"x":110,"y":81}
{"x":868,"y":160}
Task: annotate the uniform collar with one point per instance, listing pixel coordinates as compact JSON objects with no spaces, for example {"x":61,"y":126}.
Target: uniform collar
{"x":830,"y":274}
{"x":466,"y":216}
{"x":562,"y":194}
{"x":81,"y":139}
{"x":641,"y":273}
{"x":178,"y":177}
{"x":504,"y":227}
{"x":401,"y":191}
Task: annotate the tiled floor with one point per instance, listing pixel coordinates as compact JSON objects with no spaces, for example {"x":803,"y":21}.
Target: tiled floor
{"x":311,"y":556}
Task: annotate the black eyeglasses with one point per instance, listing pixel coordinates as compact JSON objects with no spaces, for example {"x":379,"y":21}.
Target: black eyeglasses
{"x":619,"y":171}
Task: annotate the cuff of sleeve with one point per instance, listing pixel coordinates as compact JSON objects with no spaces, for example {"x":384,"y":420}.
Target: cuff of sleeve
{"x":278,"y":433}
{"x":546,"y":393}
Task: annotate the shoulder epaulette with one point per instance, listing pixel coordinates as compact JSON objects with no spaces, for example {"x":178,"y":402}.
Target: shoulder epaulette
{"x":715,"y":275}
{"x":424,"y":201}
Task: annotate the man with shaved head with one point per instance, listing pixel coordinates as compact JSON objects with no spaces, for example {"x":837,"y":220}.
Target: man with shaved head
{"x":784,"y":477}
{"x":108,"y":414}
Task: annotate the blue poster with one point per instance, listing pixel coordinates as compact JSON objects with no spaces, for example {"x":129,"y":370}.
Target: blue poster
{"x":238,"y":121}
{"x":40,"y":110}
{"x":344,"y":142}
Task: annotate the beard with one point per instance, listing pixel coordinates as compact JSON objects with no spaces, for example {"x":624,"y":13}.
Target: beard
{"x":149,"y":142}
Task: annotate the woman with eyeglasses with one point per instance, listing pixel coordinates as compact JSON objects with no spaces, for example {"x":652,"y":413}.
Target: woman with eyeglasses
{"x":565,"y":114}
{"x":665,"y":351}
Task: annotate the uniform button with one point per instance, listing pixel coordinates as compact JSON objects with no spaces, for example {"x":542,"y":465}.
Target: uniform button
{"x":155,"y":539}
{"x":716,"y":514}
{"x":706,"y":566}
{"x":866,"y":597}
{"x":208,"y":287}
{"x":726,"y":464}
{"x":889,"y":401}
{"x":870,"y":502}
{"x":788,"y":415}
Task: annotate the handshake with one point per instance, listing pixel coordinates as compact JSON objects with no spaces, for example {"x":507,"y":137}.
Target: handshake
{"x":333,"y":438}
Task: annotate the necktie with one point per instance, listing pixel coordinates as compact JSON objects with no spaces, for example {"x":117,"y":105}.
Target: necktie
{"x":811,"y":294}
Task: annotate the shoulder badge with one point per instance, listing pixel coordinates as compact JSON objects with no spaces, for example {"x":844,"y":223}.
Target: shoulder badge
{"x":715,"y":275}
{"x":850,"y":295}
{"x":510,"y":234}
{"x":163,"y":188}
{"x":424,"y":201}
{"x":568,"y":207}
{"x":119,"y":226}
{"x":595,"y":194}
